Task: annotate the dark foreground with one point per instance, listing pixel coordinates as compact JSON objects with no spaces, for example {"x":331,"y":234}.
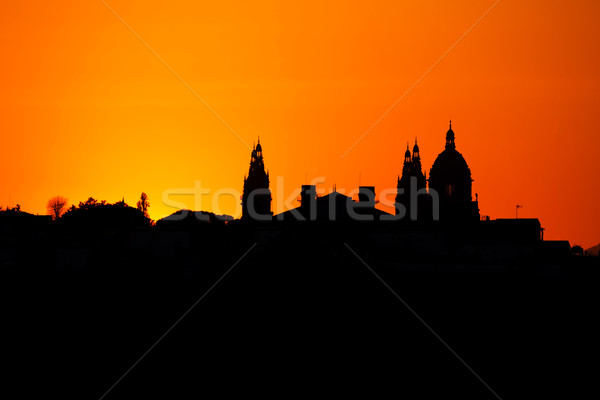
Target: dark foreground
{"x":300,"y":320}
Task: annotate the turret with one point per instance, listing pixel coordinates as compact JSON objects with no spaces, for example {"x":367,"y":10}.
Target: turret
{"x":407,"y":157}
{"x":416,"y":151}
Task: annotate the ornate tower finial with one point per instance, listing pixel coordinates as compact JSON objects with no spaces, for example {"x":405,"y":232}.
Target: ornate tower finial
{"x":450,"y":138}
{"x":416,"y":155}
{"x":407,"y":156}
{"x":259,"y":149}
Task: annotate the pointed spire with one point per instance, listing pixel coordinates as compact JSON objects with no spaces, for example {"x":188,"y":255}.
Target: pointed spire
{"x":416,"y":150}
{"x":407,"y":156}
{"x":258,"y":148}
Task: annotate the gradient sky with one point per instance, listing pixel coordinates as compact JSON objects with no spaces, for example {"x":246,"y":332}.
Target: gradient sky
{"x":86,"y":109}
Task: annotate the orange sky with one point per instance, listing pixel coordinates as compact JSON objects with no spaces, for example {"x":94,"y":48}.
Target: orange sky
{"x":87,"y":110}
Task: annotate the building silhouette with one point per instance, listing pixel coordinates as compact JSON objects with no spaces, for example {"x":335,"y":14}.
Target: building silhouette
{"x":450,"y":177}
{"x":446,"y":196}
{"x":256,"y":198}
{"x":334,"y":207}
{"x":435,"y":218}
{"x":412,"y":186}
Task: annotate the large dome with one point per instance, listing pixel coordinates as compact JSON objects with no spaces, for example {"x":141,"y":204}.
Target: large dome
{"x":450,"y":165}
{"x":450,"y":177}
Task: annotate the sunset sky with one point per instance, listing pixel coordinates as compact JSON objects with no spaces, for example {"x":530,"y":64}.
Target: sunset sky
{"x":109,"y":100}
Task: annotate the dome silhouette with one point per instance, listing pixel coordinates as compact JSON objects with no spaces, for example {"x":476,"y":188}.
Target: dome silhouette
{"x":450,"y":177}
{"x":450,"y":165}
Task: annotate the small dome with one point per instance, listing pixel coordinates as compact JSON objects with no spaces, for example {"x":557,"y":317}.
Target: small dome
{"x":450,"y":138}
{"x":450,"y":133}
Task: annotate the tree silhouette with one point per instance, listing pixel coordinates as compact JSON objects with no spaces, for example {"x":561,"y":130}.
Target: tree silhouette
{"x":94,"y":215}
{"x":143,"y":204}
{"x":57,"y":206}
{"x":91,"y":203}
{"x":11,"y":211}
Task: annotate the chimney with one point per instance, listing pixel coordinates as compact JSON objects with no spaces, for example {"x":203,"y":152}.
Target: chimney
{"x":366,"y":195}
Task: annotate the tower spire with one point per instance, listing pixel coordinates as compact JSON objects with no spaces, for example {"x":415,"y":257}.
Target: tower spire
{"x":257,"y":179}
{"x":416,"y":155}
{"x":411,"y":172}
{"x":450,"y":138}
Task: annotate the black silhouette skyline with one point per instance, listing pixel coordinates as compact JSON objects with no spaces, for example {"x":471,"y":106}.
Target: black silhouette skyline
{"x":374,"y":248}
{"x":334,"y":296}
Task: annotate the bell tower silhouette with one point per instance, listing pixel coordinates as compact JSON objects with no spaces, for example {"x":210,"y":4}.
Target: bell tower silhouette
{"x":256,"y":199}
{"x":411,"y":171}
